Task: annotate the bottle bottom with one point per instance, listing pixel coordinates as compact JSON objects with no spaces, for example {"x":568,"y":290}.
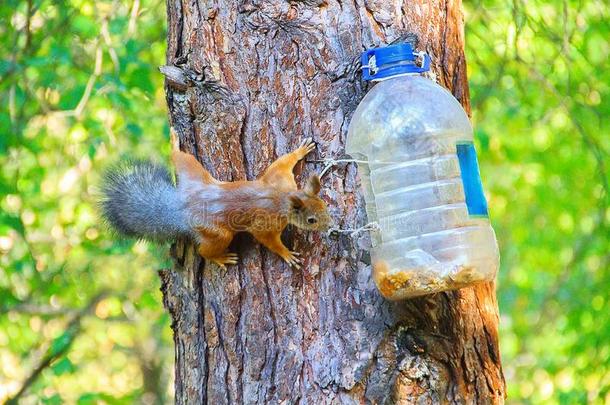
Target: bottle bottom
{"x":398,"y":283}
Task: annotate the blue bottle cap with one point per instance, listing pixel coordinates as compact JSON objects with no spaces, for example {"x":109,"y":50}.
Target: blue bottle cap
{"x":393,"y":60}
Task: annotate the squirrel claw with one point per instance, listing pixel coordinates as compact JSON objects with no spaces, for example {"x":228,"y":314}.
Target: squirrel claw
{"x":305,"y":142}
{"x":293,"y":260}
{"x":228,"y":258}
{"x":308,"y":145}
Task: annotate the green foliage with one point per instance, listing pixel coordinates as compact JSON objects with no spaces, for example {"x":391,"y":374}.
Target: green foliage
{"x":79,"y":87}
{"x":540,"y":94}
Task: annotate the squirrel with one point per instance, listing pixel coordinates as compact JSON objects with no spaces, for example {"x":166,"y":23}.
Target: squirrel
{"x":139,"y":199}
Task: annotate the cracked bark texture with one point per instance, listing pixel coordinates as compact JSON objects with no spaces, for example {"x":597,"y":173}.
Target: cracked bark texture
{"x":246,"y":81}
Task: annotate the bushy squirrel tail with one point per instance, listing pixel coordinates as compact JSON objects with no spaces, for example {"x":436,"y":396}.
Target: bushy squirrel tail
{"x":139,"y":200}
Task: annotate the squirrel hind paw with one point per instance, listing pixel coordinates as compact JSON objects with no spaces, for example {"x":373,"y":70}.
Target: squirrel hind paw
{"x":228,"y":258}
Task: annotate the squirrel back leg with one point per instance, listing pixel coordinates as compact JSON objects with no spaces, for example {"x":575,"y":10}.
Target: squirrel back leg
{"x":213,"y":244}
{"x":187,"y":166}
{"x":272,"y":241}
{"x":280,"y":173}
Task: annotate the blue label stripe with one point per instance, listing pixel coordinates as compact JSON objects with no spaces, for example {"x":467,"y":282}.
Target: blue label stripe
{"x":471,"y":179}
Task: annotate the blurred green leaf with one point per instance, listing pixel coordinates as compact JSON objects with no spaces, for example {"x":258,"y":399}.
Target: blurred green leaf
{"x":85,"y":27}
{"x":63,"y":366}
{"x":53,"y":400}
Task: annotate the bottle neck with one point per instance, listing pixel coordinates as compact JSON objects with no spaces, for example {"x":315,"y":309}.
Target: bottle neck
{"x":395,"y":76}
{"x":391,"y":61}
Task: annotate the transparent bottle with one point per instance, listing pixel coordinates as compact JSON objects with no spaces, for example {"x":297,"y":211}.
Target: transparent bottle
{"x":421,"y":183}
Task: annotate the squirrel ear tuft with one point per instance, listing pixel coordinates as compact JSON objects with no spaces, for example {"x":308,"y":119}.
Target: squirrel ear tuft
{"x":313,"y":185}
{"x":296,"y":202}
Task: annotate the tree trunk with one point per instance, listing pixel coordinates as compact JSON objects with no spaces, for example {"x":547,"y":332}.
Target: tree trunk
{"x":247,"y":81}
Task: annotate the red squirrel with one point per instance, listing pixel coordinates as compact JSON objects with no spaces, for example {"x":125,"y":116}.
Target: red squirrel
{"x":140,"y":200}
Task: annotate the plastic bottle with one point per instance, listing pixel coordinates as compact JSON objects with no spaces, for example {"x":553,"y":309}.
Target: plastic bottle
{"x":421,"y":184}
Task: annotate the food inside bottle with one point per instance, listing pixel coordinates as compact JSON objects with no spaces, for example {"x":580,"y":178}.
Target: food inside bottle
{"x":400,"y":283}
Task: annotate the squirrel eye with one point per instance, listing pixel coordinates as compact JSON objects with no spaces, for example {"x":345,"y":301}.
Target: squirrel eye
{"x":311,"y":220}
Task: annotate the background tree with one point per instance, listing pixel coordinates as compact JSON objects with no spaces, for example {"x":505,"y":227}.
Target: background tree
{"x":78,"y":89}
{"x":254,"y":79}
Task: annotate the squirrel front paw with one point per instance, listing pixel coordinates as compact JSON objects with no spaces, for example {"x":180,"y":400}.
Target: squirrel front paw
{"x":292,"y":259}
{"x":306,"y":146}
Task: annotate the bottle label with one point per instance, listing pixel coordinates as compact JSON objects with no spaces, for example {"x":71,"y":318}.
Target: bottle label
{"x":471,"y":180}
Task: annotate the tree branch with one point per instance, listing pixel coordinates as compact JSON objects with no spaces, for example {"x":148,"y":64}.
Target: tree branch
{"x":60,"y":347}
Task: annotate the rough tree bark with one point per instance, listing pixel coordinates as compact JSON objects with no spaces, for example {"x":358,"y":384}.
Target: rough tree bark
{"x":246,"y":81}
